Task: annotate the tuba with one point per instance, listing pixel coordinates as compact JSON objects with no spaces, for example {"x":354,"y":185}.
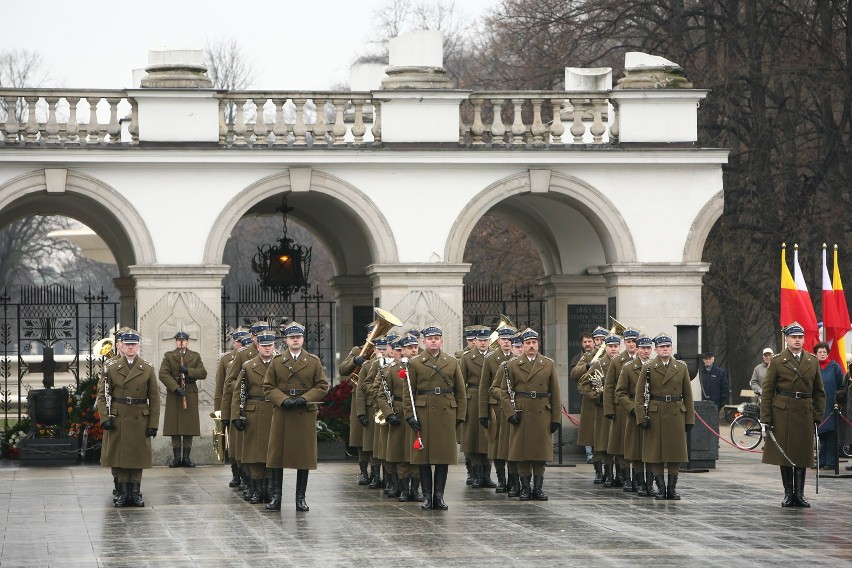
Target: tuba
{"x":384,"y":322}
{"x":504,"y":321}
{"x":596,"y":377}
{"x":104,"y":348}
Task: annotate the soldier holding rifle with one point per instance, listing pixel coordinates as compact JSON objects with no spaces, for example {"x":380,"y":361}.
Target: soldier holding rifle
{"x":178,"y":372}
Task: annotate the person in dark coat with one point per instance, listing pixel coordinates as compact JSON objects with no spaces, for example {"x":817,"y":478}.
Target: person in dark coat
{"x":129,"y":406}
{"x":714,"y":381}
{"x":791,"y":404}
{"x":832,"y":381}
{"x":178,"y":372}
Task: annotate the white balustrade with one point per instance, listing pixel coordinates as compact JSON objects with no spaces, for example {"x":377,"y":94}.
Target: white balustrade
{"x":65,"y":117}
{"x":535,"y":119}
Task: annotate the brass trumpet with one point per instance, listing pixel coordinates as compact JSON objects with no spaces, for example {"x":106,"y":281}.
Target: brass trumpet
{"x":384,"y":322}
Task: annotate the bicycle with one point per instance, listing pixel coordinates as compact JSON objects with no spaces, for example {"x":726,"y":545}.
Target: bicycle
{"x":746,"y":432}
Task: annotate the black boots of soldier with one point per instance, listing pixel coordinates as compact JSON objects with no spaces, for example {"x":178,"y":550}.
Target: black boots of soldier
{"x":631,"y":483}
{"x":276,"y":489}
{"x":500,"y":467}
{"x":186,"y":462}
{"x":301,"y":487}
{"x":667,"y":491}
{"x":409,"y":489}
{"x":646,"y":488}
{"x":363,"y":478}
{"x":128,"y":495}
{"x":426,"y":482}
{"x":514,"y":489}
{"x":433,"y":493}
{"x":598,"y":472}
{"x":375,"y":477}
{"x":533,"y":493}
{"x":176,"y":460}
{"x":235,"y":475}
{"x":794,"y":487}
{"x":179,"y":460}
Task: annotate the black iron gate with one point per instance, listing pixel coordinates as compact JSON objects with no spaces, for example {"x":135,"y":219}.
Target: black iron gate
{"x":49,"y":318}
{"x":484,"y":303}
{"x":250,"y":304}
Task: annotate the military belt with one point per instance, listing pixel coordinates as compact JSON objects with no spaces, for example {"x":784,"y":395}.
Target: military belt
{"x":295,"y":392}
{"x":532,"y":394}
{"x":129,"y":400}
{"x":794,"y":394}
{"x":476,"y":386}
{"x":668,"y":398}
{"x":398,"y":398}
{"x":257,"y":397}
{"x":437,"y":390}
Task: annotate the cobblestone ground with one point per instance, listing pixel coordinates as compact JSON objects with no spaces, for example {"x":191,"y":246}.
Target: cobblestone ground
{"x":63,"y":517}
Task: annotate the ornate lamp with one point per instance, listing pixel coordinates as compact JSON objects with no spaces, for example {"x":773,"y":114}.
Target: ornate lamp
{"x":283,"y":267}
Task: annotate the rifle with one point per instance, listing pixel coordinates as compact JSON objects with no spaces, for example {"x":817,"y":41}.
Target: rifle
{"x":182,"y":382}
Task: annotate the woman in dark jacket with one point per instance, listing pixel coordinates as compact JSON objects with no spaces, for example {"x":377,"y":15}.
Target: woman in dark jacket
{"x":832,"y":380}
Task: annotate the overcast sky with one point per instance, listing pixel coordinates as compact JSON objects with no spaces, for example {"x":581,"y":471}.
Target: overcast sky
{"x":294,"y":45}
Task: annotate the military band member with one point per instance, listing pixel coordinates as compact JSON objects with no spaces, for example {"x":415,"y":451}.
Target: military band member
{"x":295,"y":383}
{"x":791,"y":404}
{"x":670,"y":414}
{"x":356,"y":431}
{"x":441,"y":404}
{"x":130,"y":416}
{"x":411,"y":492}
{"x":366,"y":409}
{"x":591,"y":387}
{"x":531,"y":402}
{"x":221,"y":372}
{"x":586,"y":431}
{"x":474,"y":442}
{"x":179,"y":371}
{"x":251,"y":414}
{"x":625,"y":396}
{"x":469,"y":334}
{"x":389,"y":421}
{"x":613,"y":412}
{"x":376,"y":375}
{"x":490,"y":411}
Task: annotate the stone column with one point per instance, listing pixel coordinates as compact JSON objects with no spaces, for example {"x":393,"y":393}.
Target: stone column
{"x":188,"y":297}
{"x":126,"y":286}
{"x":349,"y":291}
{"x":654,"y":297}
{"x":420,"y":294}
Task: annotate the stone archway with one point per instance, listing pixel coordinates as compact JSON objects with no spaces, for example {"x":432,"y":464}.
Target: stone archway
{"x":693,"y":250}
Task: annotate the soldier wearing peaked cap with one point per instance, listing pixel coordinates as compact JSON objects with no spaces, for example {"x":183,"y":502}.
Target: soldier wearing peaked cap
{"x":532,"y":404}
{"x":356,"y":430}
{"x":615,"y":444}
{"x":625,"y":395}
{"x":469,"y":334}
{"x":474,"y":440}
{"x":586,"y":432}
{"x":792,"y":402}
{"x":179,"y":371}
{"x":490,"y":410}
{"x":441,"y":405}
{"x":365,"y":409}
{"x":295,"y":383}
{"x":129,"y":406}
{"x":221,"y":372}
{"x":591,"y":386}
{"x":670,"y":414}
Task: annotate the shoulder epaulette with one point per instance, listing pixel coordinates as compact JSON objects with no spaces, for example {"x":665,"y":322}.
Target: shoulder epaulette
{"x":490,"y":353}
{"x":314,"y":356}
{"x":548,"y":358}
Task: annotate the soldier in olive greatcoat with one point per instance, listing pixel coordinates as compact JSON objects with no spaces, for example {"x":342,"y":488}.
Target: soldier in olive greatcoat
{"x":625,"y":395}
{"x":365,"y":408}
{"x":221,"y":372}
{"x":129,"y":406}
{"x":474,"y":442}
{"x":670,"y":415}
{"x":352,"y":364}
{"x":251,"y":414}
{"x":614,"y":413}
{"x":791,"y":404}
{"x":490,"y":410}
{"x":586,"y":431}
{"x":591,"y":387}
{"x":440,"y":403}
{"x":532,"y":405}
{"x":178,"y":372}
{"x":295,"y":383}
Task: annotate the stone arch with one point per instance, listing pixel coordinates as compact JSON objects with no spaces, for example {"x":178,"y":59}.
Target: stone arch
{"x":693,"y":249}
{"x":88,"y":200}
{"x":610,"y":226}
{"x":364,"y":217}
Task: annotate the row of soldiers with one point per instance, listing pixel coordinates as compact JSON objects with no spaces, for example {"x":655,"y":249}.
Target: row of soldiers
{"x":635,"y":411}
{"x":502,"y":405}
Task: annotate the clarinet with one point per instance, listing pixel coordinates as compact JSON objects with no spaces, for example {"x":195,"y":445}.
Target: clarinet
{"x":646,"y":396}
{"x":388,"y":393}
{"x":511,"y":390}
{"x":107,"y":395}
{"x":182,"y":382}
{"x":242,"y":380}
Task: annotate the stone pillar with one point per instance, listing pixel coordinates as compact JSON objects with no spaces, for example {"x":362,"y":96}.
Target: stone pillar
{"x":349,"y":291}
{"x":420,"y":294}
{"x":654,"y":297}
{"x":126,"y":286}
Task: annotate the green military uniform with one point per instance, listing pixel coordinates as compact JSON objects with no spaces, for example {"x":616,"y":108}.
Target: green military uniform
{"x":178,"y":422}
{"x":474,"y":440}
{"x":586,"y":431}
{"x":256,"y":417}
{"x":615,"y":415}
{"x":625,"y":397}
{"x":490,"y":408}
{"x":600,"y":425}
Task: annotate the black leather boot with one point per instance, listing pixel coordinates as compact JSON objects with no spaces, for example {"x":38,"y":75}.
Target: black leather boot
{"x":404,"y":491}
{"x":414,"y":494}
{"x":116,"y":488}
{"x":476,"y":472}
{"x":514,"y":485}
{"x":441,"y":471}
{"x":426,"y":482}
{"x":607,"y":475}
{"x":661,"y":487}
{"x":363,"y":478}
{"x":244,"y":478}
{"x":671,"y":488}
{"x":395,"y":488}
{"x":186,"y":462}
{"x":249,"y":492}
{"x":135,"y":499}
{"x":649,"y":481}
{"x":375,"y":477}
{"x":386,"y":479}
{"x":487,"y":482}
{"x":469,"y":480}
{"x":617,"y":476}
{"x":537,"y":494}
{"x":235,"y":476}
{"x":598,"y":472}
{"x":277,"y":487}
{"x":525,"y":488}
{"x":799,"y":488}
{"x":500,"y":467}
{"x":176,"y":461}
{"x":787,"y":480}
{"x":121,"y":500}
{"x":643,"y":483}
{"x":629,"y":480}
{"x":301,"y":488}
{"x":257,"y":494}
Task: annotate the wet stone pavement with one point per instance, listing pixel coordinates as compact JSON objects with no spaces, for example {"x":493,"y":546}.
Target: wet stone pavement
{"x":63,"y":517}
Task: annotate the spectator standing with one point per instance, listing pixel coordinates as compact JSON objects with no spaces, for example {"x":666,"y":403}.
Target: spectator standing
{"x":832,"y":381}
{"x":714,"y":381}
